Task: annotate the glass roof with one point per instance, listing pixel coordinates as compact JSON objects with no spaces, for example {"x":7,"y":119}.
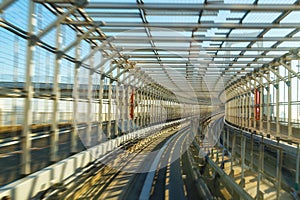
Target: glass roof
{"x":213,"y":36}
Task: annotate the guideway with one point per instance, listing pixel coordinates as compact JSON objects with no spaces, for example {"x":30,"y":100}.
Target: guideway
{"x":146,"y":168}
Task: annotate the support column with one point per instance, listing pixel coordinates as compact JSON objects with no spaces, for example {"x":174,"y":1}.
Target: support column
{"x":129,"y":91}
{"x":243,"y":110}
{"x":254,"y":106}
{"x":89,"y":109}
{"x":146,"y":108}
{"x":277,"y":105}
{"x":136,"y":107}
{"x":74,"y":136}
{"x":142,"y":101}
{"x":117,"y":105}
{"x":25,"y":137}
{"x":289,"y":104}
{"x":261,"y":103}
{"x":243,"y":149}
{"x":249,"y":105}
{"x":100,"y":112}
{"x":123,"y":108}
{"x":152,"y":116}
{"x":109,"y":114}
{"x":260,"y":169}
{"x":161,"y":109}
{"x":232,"y":154}
{"x":236,"y":112}
{"x":297,"y":169}
{"x":155,"y":107}
{"x":251,"y":151}
{"x":268,"y":107}
{"x":278,"y":171}
{"x":54,"y":137}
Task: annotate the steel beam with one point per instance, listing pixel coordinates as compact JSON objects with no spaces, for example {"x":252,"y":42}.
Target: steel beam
{"x":104,"y":61}
{"x":110,"y":135}
{"x":117,"y":105}
{"x":57,"y":22}
{"x":26,"y":133}
{"x":5,"y":4}
{"x":90,"y":111}
{"x":194,"y":6}
{"x":122,"y":107}
{"x":54,"y":137}
{"x":100,"y":114}
{"x":139,"y":39}
{"x":79,"y":39}
{"x":202,"y":62}
{"x":289,"y":105}
{"x":277,"y":74}
{"x":200,"y":25}
{"x":74,"y":135}
{"x":261,"y":106}
{"x":268,"y":106}
{"x":200,"y":56}
{"x":288,"y":67}
{"x":277,"y":106}
{"x":200,"y":48}
{"x":96,"y":49}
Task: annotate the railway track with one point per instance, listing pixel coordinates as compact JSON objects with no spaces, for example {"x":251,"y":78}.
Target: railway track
{"x":148,"y":168}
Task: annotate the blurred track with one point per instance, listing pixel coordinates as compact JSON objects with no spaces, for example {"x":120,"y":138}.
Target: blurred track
{"x":150,"y":168}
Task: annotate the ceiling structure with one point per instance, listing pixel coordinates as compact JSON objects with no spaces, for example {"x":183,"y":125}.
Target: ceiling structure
{"x":198,"y":45}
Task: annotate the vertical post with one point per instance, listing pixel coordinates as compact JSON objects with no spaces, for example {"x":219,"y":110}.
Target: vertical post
{"x":268,"y":107}
{"x":223,"y":140}
{"x":234,"y":110}
{"x":26,"y":138}
{"x":297,"y":169}
{"x":157,"y":101}
{"x":100,"y":112}
{"x":254,"y":106}
{"x":277,"y":106}
{"x":261,"y":103}
{"x":145,"y":107}
{"x":136,"y":106}
{"x":227,"y":135}
{"x":144,"y":104}
{"x":278,"y":170}
{"x":117,"y":105}
{"x":243,"y":110}
{"x":162,"y":113}
{"x":154,"y":107}
{"x":56,"y":96}
{"x":232,"y":154}
{"x":249,"y":106}
{"x":237,"y":110}
{"x":258,"y":193}
{"x":246,"y":109}
{"x":109,"y":114}
{"x":89,"y":108}
{"x":123,"y":107}
{"x":74,"y":137}
{"x":128,"y":105}
{"x":289,"y":104}
{"x":251,"y":152}
{"x":152,"y":116}
{"x":263,"y":155}
{"x":142,"y":100}
{"x":231,"y":109}
{"x":243,"y":158}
